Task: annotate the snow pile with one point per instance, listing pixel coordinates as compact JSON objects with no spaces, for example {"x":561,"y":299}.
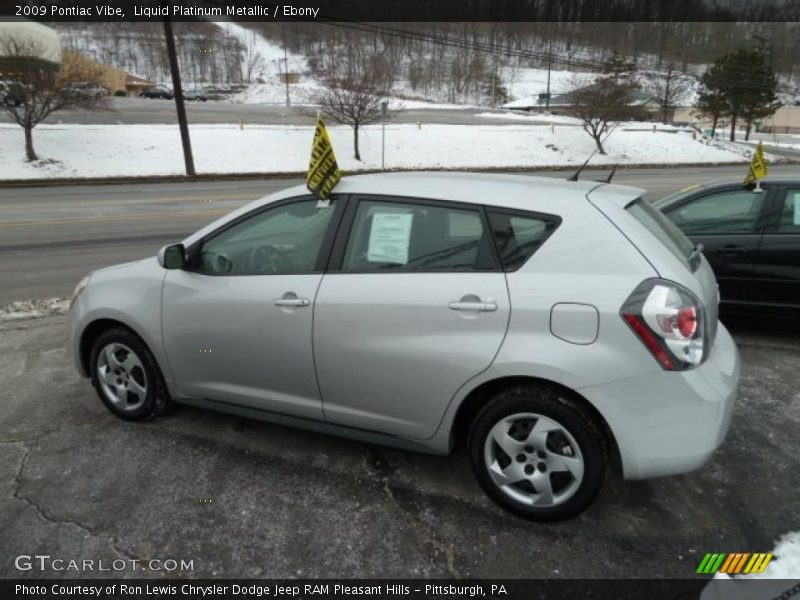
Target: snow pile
{"x":531,"y":116}
{"x":131,"y":150}
{"x":274,"y":92}
{"x":786,"y":562}
{"x":525,"y":84}
{"x":28,"y":309}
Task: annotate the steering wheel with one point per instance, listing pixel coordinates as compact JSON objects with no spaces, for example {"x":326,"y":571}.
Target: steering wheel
{"x":268,"y":259}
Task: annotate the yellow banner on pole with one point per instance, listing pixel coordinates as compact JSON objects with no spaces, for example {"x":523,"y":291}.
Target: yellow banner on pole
{"x":758,"y":166}
{"x":323,"y":171}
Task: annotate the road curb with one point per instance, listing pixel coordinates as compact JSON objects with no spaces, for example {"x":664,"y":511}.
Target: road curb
{"x":56,"y":182}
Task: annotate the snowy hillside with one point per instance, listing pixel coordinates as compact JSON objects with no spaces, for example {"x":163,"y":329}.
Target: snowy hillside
{"x":224,"y":54}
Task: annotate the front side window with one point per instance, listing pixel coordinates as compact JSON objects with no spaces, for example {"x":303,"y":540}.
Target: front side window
{"x":734,"y":211}
{"x":396,"y":236}
{"x":790,"y":213}
{"x":518,"y":237}
{"x":283,"y":240}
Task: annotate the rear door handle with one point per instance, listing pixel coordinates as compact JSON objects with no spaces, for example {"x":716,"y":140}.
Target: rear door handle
{"x":477,"y":306}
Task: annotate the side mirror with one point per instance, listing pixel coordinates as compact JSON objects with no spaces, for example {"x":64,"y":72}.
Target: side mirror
{"x":172,"y":256}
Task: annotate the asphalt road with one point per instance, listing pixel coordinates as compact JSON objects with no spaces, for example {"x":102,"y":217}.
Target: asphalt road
{"x":50,"y":237}
{"x":128,"y":111}
{"x":242,"y":498}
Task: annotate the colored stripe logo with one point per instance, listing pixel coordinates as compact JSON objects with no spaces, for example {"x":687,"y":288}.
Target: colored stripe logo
{"x":734,"y":563}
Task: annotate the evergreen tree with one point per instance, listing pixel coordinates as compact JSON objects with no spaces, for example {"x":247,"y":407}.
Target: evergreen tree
{"x":739,"y":85}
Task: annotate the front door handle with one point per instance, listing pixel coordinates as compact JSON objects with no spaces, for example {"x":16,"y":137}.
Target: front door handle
{"x":291,"y":299}
{"x":730,"y":250}
{"x":477,"y":306}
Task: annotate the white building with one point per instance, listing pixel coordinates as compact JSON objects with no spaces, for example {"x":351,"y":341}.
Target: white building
{"x":43,"y":37}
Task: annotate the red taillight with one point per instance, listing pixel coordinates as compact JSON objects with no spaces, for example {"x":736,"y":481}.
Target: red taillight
{"x":668,"y":319}
{"x":650,"y":341}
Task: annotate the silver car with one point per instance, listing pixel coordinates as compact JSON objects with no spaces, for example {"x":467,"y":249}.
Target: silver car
{"x":555,"y":328}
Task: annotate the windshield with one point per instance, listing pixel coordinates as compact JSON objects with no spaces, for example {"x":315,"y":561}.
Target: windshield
{"x":664,"y":229}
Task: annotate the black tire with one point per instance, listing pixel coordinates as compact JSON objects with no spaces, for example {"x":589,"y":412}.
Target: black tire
{"x":136,"y":406}
{"x":554,"y":404}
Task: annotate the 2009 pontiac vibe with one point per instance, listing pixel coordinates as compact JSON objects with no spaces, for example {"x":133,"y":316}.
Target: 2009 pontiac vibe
{"x":554,"y":327}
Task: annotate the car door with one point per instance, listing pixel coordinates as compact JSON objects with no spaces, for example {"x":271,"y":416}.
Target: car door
{"x":413,"y":305}
{"x":237,"y":323}
{"x":777,"y":264}
{"x":729,"y":223}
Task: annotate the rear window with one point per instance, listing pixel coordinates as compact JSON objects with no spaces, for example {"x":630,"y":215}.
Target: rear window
{"x":661,"y":227}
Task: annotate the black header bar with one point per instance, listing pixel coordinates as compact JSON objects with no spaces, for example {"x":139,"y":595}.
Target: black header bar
{"x":406,"y":10}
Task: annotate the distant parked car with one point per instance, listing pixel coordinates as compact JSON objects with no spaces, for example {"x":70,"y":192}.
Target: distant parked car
{"x":11,"y":93}
{"x":158,"y":92}
{"x":88,"y":90}
{"x":196,"y":94}
{"x":751,"y":239}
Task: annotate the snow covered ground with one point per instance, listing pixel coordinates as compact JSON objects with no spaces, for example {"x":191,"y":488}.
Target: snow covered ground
{"x":28,"y":309}
{"x":131,"y":150}
{"x":767,"y":143}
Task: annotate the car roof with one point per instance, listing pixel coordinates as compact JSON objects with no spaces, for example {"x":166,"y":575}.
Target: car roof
{"x":492,"y":189}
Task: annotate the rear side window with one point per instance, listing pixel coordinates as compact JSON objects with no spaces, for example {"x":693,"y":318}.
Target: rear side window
{"x":518,"y":236}
{"x":790,"y":213}
{"x":661,"y":227}
{"x":400,"y":236}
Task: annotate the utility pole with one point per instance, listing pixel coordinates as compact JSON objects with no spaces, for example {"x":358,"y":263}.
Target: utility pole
{"x":177,"y":89}
{"x":286,"y":71}
{"x":384,"y":109}
{"x":767,"y":47}
{"x":549,"y":62}
{"x":494,"y":76}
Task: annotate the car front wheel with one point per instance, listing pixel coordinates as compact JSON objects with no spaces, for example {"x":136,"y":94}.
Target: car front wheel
{"x":126,"y":376}
{"x":537,"y":454}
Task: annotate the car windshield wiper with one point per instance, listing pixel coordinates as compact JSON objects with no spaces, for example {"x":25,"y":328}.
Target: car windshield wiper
{"x":696,"y":251}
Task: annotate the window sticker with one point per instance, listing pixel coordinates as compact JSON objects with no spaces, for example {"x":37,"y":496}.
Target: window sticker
{"x":797,"y":208}
{"x":389,"y":238}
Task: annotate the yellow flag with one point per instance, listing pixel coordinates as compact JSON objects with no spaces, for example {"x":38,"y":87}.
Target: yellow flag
{"x":323,"y":172}
{"x":758,"y":166}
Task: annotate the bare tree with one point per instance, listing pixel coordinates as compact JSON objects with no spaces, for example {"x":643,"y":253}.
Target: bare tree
{"x":351,"y":102}
{"x":254,"y":62}
{"x":605,"y":101}
{"x":32,"y":88}
{"x":668,"y":88}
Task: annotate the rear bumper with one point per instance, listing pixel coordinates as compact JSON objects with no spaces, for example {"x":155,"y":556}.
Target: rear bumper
{"x":671,"y":422}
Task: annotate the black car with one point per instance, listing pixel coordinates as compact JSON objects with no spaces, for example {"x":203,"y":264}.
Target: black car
{"x":751,"y":239}
{"x":158,"y":92}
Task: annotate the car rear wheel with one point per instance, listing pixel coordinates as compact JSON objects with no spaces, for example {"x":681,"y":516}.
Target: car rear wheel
{"x":537,"y":454}
{"x":126,"y":376}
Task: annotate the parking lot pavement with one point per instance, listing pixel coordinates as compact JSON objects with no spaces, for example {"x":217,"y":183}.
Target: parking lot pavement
{"x":246,"y":499}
